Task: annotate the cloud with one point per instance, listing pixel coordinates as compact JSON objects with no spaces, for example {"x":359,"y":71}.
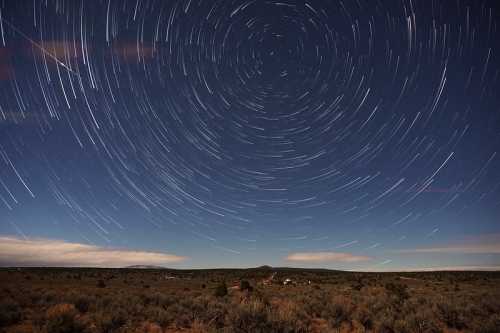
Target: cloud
{"x":133,"y":52}
{"x":325,"y":256}
{"x":46,"y":252}
{"x":434,"y":269}
{"x":460,"y":268}
{"x":493,"y":248}
{"x":61,"y":49}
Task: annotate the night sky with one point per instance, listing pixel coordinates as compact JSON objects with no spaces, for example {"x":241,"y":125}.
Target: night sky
{"x":342,"y":134}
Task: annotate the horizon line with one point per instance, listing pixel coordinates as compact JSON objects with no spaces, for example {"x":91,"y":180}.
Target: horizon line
{"x":152,"y":267}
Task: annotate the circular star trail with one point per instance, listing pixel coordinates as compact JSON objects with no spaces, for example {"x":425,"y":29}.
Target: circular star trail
{"x":237,"y":124}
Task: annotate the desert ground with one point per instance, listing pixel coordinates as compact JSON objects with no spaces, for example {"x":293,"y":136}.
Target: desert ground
{"x":264,"y":299}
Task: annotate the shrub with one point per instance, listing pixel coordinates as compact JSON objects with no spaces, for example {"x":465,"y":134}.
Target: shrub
{"x":200,"y":327}
{"x":82,"y":303}
{"x":248,"y":317}
{"x":358,"y":285}
{"x":182,"y":318}
{"x":287,"y":316}
{"x":101,"y":284}
{"x":159,"y":299}
{"x":398,"y":289}
{"x":160,"y":316}
{"x":338,"y":310}
{"x":10,"y":312}
{"x":451,"y":314}
{"x":363,"y":316}
{"x":221,"y":290}
{"x":491,"y":325}
{"x":62,"y":318}
{"x":419,"y":319}
{"x":112,"y":321}
{"x":245,"y":285}
{"x":104,"y":302}
{"x":384,"y":326}
{"x":148,"y":327}
{"x":48,"y":298}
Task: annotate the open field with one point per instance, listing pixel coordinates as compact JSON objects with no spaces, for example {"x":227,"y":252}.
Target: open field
{"x":247,"y":300}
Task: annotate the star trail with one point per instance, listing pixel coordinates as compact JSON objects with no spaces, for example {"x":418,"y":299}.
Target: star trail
{"x":346,"y":134}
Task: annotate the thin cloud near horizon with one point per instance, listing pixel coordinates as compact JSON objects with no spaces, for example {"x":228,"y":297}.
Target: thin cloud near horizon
{"x":48,"y":252}
{"x":464,"y":268}
{"x":16,"y":251}
{"x":326,"y":257}
{"x":492,"y":248}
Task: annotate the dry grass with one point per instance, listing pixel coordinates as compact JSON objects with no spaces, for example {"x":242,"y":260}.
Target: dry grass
{"x":95,"y":301}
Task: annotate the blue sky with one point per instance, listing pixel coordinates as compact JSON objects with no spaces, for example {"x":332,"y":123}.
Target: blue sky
{"x":359,"y":136}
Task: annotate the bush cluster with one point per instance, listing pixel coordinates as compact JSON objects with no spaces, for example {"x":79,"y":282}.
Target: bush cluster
{"x":372,"y":303}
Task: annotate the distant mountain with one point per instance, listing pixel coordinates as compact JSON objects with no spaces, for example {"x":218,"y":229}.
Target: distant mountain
{"x":145,"y":267}
{"x":264,"y":267}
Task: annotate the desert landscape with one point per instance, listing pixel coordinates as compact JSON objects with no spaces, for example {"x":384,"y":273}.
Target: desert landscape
{"x":263,"y":299}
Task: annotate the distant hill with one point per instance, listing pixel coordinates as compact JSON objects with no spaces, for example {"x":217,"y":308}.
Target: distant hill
{"x":264,"y":267}
{"x":145,"y":267}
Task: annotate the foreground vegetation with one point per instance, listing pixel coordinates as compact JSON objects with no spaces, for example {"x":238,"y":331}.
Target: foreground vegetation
{"x":139,"y":300}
